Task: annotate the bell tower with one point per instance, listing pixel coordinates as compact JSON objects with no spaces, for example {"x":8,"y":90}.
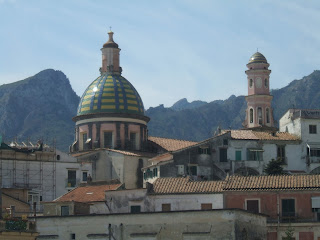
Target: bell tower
{"x":259,"y":112}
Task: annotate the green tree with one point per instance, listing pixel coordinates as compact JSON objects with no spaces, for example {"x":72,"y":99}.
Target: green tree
{"x":274,"y":167}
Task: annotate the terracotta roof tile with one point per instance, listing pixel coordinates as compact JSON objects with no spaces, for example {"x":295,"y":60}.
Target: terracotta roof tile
{"x":264,"y":135}
{"x":185,"y":185}
{"x":133,"y":153}
{"x":280,"y":182}
{"x":88,"y":193}
{"x":171,"y":144}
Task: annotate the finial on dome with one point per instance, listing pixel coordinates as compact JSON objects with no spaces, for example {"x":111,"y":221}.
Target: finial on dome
{"x":110,"y":43}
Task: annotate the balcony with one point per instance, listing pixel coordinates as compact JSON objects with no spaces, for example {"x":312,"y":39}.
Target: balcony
{"x":72,"y":182}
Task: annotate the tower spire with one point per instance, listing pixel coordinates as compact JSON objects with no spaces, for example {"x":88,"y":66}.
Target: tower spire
{"x":111,"y":56}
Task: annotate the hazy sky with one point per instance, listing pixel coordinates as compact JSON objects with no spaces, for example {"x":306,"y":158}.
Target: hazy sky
{"x":170,"y":49}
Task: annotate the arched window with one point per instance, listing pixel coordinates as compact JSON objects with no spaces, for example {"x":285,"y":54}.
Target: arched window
{"x":251,"y":115}
{"x":260,"y":115}
{"x":268,"y":115}
{"x":266,"y":83}
{"x":251,"y":83}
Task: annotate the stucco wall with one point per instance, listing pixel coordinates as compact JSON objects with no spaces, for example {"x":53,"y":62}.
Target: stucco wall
{"x":214,"y":224}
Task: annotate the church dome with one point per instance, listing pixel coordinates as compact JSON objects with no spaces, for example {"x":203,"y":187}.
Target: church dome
{"x":257,"y":58}
{"x":110,"y":93}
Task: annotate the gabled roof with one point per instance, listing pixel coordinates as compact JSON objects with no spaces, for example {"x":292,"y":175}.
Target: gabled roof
{"x":169,"y":144}
{"x":279,"y":182}
{"x":185,"y":185}
{"x":261,"y":135}
{"x":88,"y":193}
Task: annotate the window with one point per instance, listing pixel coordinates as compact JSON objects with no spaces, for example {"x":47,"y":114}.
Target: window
{"x":225,"y":141}
{"x":254,"y":154}
{"x":314,"y":152}
{"x":206,"y":206}
{"x":281,"y":153}
{"x":64,"y":210}
{"x":260,"y":115}
{"x":155,"y":172}
{"x":288,"y":208}
{"x":251,"y":83}
{"x":251,"y":115}
{"x":58,"y":157}
{"x":192,"y":170}
{"x":107,"y":140}
{"x":84,"y":176}
{"x":73,"y":236}
{"x":166,"y":207}
{"x":205,"y":150}
{"x":266,"y":83}
{"x":223,"y":155}
{"x":238,"y":155}
{"x":84,"y":137}
{"x":268,"y":115}
{"x":313,"y":129}
{"x":72,"y":181}
{"x":252,"y":206}
{"x":133,"y":139}
{"x":135,"y":209}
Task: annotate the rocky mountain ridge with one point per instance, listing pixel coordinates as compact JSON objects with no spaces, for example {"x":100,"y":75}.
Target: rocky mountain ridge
{"x":42,"y":107}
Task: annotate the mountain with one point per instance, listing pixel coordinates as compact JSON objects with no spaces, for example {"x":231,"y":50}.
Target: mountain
{"x":184,"y":104}
{"x":39,"y":107}
{"x":42,"y":106}
{"x":201,"y":122}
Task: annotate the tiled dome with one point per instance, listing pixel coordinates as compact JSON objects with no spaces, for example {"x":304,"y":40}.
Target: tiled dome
{"x":257,"y":58}
{"x":110,"y":93}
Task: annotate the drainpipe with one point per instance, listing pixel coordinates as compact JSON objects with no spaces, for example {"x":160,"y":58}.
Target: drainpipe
{"x":278,"y":212}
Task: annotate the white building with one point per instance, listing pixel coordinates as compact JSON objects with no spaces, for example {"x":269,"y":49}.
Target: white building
{"x":46,"y":172}
{"x":305,"y":123}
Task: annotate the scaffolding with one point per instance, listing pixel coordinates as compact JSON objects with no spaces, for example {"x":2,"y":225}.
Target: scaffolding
{"x":29,"y":167}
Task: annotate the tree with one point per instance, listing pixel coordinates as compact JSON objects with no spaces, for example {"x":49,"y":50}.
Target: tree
{"x":274,"y":167}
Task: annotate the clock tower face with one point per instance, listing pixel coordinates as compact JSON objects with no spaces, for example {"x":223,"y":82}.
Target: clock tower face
{"x":258,"y":82}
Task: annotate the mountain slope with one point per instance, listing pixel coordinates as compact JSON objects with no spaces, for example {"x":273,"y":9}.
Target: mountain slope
{"x":199,"y":123}
{"x":39,"y":107}
{"x":42,"y":106}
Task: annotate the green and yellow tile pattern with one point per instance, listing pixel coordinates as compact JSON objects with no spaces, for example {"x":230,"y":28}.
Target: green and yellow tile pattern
{"x":110,"y":93}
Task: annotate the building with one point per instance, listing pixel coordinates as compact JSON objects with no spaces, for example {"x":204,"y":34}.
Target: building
{"x":304,"y":123}
{"x":244,"y":152}
{"x":186,"y":225}
{"x":87,"y":199}
{"x":111,"y":127}
{"x":36,"y":173}
{"x":289,"y":201}
{"x":259,"y":112}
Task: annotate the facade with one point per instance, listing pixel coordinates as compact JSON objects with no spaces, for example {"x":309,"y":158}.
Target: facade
{"x":289,"y":201}
{"x":244,"y":152}
{"x":305,"y":123}
{"x":259,"y":112}
{"x":165,"y":195}
{"x":43,"y":173}
{"x":226,"y":224}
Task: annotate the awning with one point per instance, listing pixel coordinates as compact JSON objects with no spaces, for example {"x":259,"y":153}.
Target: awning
{"x":88,"y":140}
{"x":315,"y":201}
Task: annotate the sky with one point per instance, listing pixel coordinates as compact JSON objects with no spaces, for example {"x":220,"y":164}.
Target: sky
{"x":194,"y":49}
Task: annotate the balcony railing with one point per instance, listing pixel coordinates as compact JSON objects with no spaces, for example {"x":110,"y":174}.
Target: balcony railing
{"x":72,"y":182}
